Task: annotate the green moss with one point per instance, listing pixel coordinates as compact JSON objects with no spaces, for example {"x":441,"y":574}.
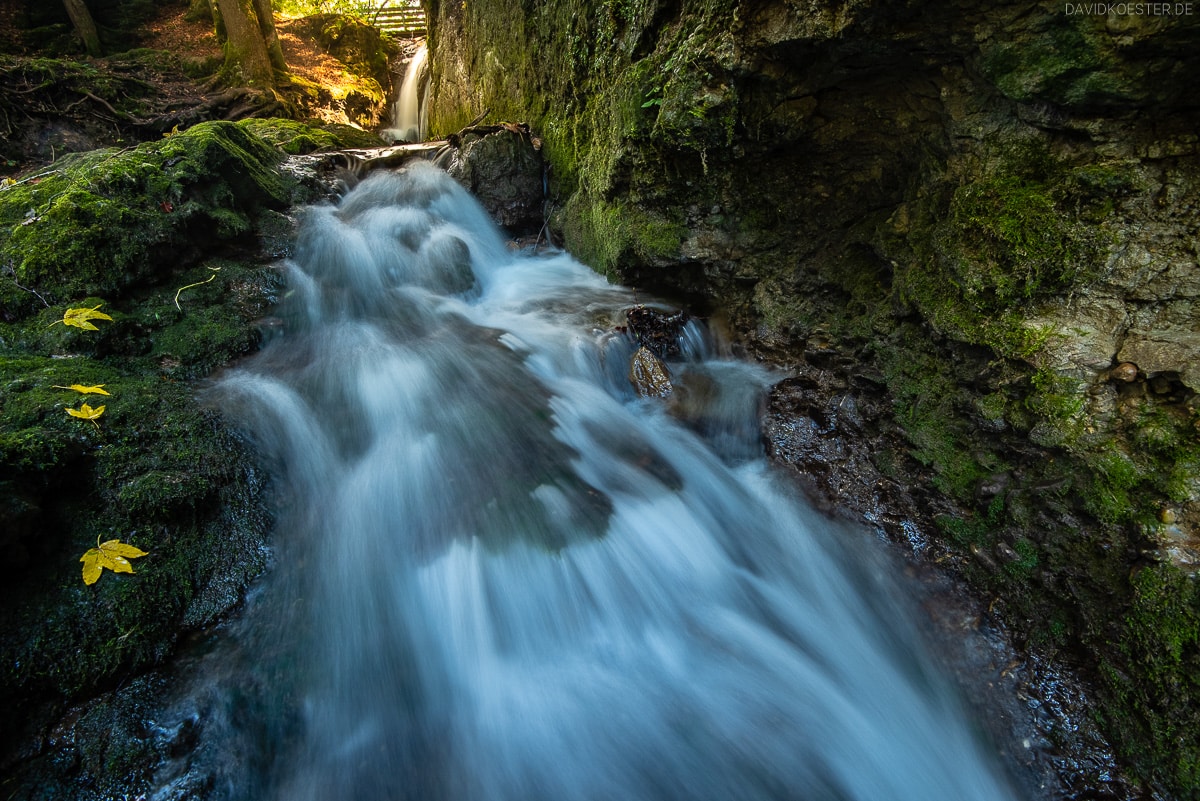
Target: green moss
{"x":616,"y":84}
{"x":1071,"y":62}
{"x":654,"y":237}
{"x":1027,"y":560}
{"x":1114,"y":476}
{"x":101,"y":222}
{"x":980,"y":256}
{"x":1009,"y":244}
{"x":927,"y":398}
{"x":1057,"y":404}
{"x":1156,"y":690}
{"x":595,"y":233}
{"x":157,"y":470}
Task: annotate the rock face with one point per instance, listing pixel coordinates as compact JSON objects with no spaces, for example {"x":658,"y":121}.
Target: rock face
{"x":979,"y":218}
{"x":502,"y":166}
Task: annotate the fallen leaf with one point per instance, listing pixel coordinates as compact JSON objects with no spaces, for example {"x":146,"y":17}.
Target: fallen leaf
{"x":86,"y":412}
{"x":80,"y":388}
{"x":113,"y":554}
{"x":80,"y":317}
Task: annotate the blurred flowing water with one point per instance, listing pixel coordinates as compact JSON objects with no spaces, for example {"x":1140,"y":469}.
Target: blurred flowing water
{"x":501,"y":574}
{"x":410,"y":111}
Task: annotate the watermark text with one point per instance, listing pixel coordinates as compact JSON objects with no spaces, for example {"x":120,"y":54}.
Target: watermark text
{"x":1131,"y":9}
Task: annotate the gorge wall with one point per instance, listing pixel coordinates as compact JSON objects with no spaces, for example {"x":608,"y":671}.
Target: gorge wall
{"x":969,"y":229}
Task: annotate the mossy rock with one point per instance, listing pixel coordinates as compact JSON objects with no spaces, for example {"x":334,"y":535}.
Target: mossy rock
{"x":297,"y":138}
{"x":1157,"y":685}
{"x":108,"y":221}
{"x":105,"y":221}
{"x":1092,"y":62}
{"x":156,"y":469}
{"x":159,"y":468}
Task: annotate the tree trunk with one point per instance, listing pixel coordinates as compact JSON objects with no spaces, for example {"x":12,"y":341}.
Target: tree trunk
{"x":266,"y":24}
{"x":245,"y":47}
{"x":218,"y":23}
{"x":85,"y":26}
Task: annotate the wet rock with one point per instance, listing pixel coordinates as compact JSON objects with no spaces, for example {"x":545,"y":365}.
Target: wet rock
{"x":659,"y":331}
{"x":444,"y":261}
{"x":724,"y":412}
{"x":992,"y":486}
{"x":984,"y":558}
{"x":1125,"y":371}
{"x":1006,"y":553}
{"x":835,"y":442}
{"x":502,"y":166}
{"x":648,"y":375}
{"x":1095,"y":334}
{"x":848,"y":414}
{"x":1166,"y":340}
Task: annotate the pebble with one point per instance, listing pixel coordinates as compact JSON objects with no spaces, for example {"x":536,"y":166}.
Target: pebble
{"x":1125,"y":371}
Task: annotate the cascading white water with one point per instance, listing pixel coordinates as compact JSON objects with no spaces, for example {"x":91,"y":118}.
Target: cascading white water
{"x":409,"y":113}
{"x":501,"y":575}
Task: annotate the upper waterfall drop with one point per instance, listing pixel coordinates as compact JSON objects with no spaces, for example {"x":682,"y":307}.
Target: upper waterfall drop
{"x":410,"y":111}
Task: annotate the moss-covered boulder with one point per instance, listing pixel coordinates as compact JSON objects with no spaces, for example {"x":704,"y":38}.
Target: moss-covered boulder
{"x":104,"y":221}
{"x":172,"y":240}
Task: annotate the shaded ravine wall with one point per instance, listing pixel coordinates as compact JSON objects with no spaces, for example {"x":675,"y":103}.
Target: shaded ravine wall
{"x":976,"y":221}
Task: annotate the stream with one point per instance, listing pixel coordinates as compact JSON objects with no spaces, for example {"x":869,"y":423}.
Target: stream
{"x":501,"y":574}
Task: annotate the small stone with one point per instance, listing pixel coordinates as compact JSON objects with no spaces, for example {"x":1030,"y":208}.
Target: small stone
{"x":1007,"y":553}
{"x":1167,"y":515}
{"x":983,"y":558}
{"x":1125,"y":371}
{"x":649,"y":375}
{"x":991,"y":486}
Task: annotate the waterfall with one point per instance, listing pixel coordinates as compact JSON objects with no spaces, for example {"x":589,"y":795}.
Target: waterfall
{"x":409,"y":113}
{"x":501,"y":575}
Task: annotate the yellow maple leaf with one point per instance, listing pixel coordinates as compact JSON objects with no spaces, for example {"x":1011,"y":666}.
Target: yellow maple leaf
{"x":98,"y":389}
{"x":80,"y":318}
{"x":113,"y":554}
{"x":86,"y":412}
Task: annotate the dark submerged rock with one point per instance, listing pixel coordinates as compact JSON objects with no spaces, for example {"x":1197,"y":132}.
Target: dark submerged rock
{"x":658,"y":330}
